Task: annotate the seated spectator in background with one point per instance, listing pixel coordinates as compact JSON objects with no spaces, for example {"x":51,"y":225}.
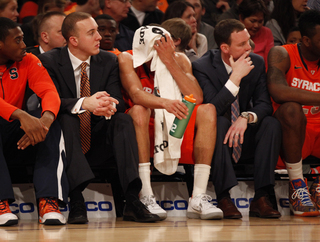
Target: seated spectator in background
{"x":95,"y":129}
{"x":48,"y":33}
{"x":146,"y":105}
{"x":180,"y":33}
{"x":107,"y":28}
{"x":234,"y":81}
{"x":294,"y":36}
{"x":91,"y":7}
{"x":198,"y":44}
{"x":284,"y":17}
{"x":9,"y":9}
{"x":232,"y":13}
{"x":214,"y":8}
{"x":202,"y":27}
{"x":33,"y":136}
{"x":296,"y":107}
{"x":30,"y":38}
{"x":118,"y":10}
{"x":252,"y":14}
{"x":142,"y":12}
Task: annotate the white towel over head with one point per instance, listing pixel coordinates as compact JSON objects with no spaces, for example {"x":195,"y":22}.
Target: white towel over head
{"x":167,"y":148}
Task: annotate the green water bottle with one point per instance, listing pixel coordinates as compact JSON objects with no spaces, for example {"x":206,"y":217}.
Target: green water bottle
{"x":179,"y":125}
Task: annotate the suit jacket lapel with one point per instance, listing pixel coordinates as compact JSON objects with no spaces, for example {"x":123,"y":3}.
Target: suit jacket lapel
{"x":95,"y":73}
{"x":221,"y":72}
{"x":66,"y":71}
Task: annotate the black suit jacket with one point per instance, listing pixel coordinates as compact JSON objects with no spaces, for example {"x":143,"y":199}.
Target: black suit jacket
{"x":212,"y":77}
{"x":154,"y":17}
{"x":104,"y":76}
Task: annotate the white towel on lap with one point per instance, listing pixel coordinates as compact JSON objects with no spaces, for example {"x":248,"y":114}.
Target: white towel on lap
{"x":167,"y":148}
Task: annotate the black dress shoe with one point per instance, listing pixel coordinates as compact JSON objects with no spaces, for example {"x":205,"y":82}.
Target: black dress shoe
{"x":137,"y":211}
{"x":78,"y":213}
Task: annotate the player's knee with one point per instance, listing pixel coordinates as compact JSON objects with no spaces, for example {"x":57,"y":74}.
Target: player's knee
{"x":140,"y":115}
{"x":291,"y":113}
{"x":207,"y":113}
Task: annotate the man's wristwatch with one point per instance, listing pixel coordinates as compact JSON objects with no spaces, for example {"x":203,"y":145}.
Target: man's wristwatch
{"x":245,"y":115}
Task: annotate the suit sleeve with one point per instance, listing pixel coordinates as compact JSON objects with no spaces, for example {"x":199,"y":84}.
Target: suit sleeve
{"x":213,"y":91}
{"x":253,"y":91}
{"x":51,"y":65}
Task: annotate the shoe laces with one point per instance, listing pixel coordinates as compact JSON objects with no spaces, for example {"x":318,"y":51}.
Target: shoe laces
{"x":50,"y":205}
{"x":149,"y":200}
{"x":4,"y":208}
{"x":303,"y":195}
{"x":203,"y":201}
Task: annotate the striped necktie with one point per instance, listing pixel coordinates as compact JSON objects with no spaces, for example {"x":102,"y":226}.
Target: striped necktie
{"x":85,"y":117}
{"x":235,"y":112}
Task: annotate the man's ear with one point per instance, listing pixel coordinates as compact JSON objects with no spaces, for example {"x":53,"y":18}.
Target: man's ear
{"x":176,"y":42}
{"x":224,"y":48}
{"x":45,"y":37}
{"x":1,"y":45}
{"x":73,"y":40}
{"x":203,"y":11}
{"x":306,"y":41}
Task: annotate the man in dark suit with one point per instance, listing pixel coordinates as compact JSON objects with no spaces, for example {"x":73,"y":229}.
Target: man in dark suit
{"x":252,"y":135}
{"x":142,"y":12}
{"x":118,"y":10}
{"x":47,"y":30}
{"x":91,"y":115}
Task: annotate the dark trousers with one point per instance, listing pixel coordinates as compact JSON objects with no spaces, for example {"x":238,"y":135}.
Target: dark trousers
{"x":113,"y":139}
{"x":261,"y":143}
{"x":48,"y":158}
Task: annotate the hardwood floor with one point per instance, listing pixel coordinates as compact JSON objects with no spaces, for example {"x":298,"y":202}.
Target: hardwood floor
{"x":173,"y":229}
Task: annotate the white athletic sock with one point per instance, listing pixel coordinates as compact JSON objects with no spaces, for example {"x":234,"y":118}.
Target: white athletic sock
{"x":294,"y":170}
{"x":144,"y":173}
{"x":201,"y":177}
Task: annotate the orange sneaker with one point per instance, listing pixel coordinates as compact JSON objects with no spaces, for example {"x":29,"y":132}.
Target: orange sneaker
{"x":49,"y":212}
{"x":300,"y":200}
{"x":7,"y":218}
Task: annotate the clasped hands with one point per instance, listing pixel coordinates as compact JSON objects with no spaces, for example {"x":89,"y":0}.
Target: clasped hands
{"x":100,"y":104}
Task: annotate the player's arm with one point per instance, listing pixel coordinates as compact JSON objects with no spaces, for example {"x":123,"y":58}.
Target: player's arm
{"x":179,"y":67}
{"x":131,"y":83}
{"x":35,"y":129}
{"x":280,"y":91}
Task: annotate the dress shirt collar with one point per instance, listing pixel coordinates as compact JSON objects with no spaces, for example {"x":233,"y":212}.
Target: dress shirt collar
{"x":228,"y":68}
{"x":77,"y":62}
{"x":41,"y":50}
{"x":139,"y":14}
